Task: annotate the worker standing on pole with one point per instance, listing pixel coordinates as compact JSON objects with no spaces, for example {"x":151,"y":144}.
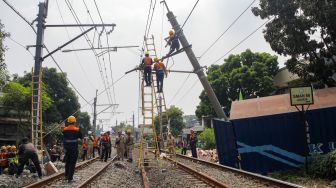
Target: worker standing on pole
{"x":147,"y":63}
{"x":173,"y":41}
{"x":160,"y":70}
{"x":71,"y":134}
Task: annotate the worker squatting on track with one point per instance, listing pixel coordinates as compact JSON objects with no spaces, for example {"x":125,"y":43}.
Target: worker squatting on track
{"x":27,"y":151}
{"x":71,"y":134}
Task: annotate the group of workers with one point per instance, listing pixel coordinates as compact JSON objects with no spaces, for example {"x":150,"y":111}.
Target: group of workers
{"x":15,"y":161}
{"x":159,"y":66}
{"x":124,"y":145}
{"x":6,"y":154}
{"x":183,"y":144}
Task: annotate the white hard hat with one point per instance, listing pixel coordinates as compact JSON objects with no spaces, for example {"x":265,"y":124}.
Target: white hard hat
{"x":89,"y":132}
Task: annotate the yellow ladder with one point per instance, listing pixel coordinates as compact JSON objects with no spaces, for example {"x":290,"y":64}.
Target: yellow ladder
{"x":160,"y":102}
{"x":36,"y":117}
{"x":148,"y":138}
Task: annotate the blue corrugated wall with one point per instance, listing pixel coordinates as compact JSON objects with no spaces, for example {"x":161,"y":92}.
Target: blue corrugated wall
{"x":275,"y":142}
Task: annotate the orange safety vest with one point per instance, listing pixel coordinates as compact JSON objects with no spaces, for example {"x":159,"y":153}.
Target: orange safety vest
{"x":85,"y":145}
{"x":159,"y":66}
{"x":148,"y":61}
{"x":95,"y":142}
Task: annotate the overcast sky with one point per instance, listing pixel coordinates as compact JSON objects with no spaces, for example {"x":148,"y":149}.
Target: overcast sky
{"x":209,"y":19}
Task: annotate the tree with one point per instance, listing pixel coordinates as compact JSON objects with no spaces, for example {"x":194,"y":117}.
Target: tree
{"x":251,"y":73}
{"x":4,"y":76}
{"x":304,"y":30}
{"x":18,"y":98}
{"x":65,"y":99}
{"x":175,"y":116}
{"x":207,"y":137}
{"x":83,"y":121}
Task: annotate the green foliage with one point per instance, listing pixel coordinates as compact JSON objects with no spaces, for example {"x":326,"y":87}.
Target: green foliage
{"x":252,"y":73}
{"x":83,"y":121}
{"x":122,"y":127}
{"x":208,"y":138}
{"x":323,"y":166}
{"x":333,"y":184}
{"x":175,"y":116}
{"x":18,"y":97}
{"x":56,"y":85}
{"x":305,"y":30}
{"x":4,"y":75}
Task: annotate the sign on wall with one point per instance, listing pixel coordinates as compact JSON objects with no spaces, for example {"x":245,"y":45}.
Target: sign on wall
{"x":301,"y":95}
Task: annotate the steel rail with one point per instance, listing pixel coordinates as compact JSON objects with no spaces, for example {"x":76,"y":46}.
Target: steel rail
{"x":97,"y":174}
{"x":145,"y":180}
{"x":205,"y":178}
{"x":59,"y":175}
{"x":251,"y":175}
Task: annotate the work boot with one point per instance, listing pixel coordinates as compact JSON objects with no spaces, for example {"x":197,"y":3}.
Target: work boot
{"x":71,"y":181}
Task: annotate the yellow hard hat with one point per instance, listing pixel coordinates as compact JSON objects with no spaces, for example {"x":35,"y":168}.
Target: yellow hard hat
{"x":128,"y":131}
{"x":13,"y":147}
{"x":146,"y":53}
{"x":3,"y":147}
{"x":156,"y":59}
{"x":71,"y":119}
{"x":171,"y":32}
{"x":8,"y":147}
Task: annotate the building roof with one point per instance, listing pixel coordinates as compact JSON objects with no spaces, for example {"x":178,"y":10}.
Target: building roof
{"x":279,"y":104}
{"x":195,"y":128}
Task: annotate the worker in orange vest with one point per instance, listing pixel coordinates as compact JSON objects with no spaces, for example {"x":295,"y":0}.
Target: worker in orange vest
{"x":3,"y":159}
{"x":95,"y":145}
{"x":160,"y":71}
{"x":147,"y":63}
{"x":173,"y":41}
{"x":85,"y":148}
{"x":71,"y":135}
{"x":105,"y":140}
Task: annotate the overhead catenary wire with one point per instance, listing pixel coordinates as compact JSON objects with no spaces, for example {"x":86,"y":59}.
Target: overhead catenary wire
{"x":76,"y":55}
{"x":54,"y":60}
{"x":78,"y":110}
{"x":108,"y":45}
{"x":74,"y":14}
{"x":227,"y":29}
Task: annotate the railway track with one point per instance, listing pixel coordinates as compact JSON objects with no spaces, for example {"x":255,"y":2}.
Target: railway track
{"x":217,"y":175}
{"x":85,"y":173}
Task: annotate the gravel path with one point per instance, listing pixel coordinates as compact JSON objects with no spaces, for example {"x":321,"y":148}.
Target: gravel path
{"x":228,"y":178}
{"x":171,"y":177}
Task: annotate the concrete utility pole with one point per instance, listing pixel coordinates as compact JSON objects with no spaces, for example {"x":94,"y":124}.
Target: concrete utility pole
{"x":197,"y":68}
{"x":133,"y":124}
{"x":39,"y":58}
{"x":94,"y":123}
{"x":36,"y":75}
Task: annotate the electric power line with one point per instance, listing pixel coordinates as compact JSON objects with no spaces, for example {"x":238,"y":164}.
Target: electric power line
{"x":73,"y":12}
{"x":239,"y":43}
{"x":9,"y":37}
{"x":54,"y":60}
{"x":192,"y":10}
{"x":189,"y":90}
{"x":178,"y":91}
{"x":76,"y":55}
{"x":227,"y":29}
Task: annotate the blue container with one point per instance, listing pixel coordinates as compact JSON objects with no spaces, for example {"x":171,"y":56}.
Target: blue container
{"x":275,"y":142}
